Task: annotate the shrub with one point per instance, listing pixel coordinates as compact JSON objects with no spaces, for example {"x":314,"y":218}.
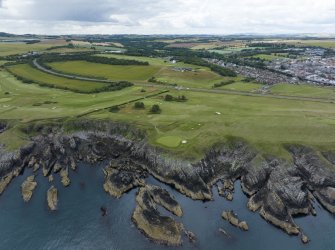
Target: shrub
{"x":155,"y":109}
{"x":139,"y":105}
{"x":168,"y":98}
{"x":114,"y":109}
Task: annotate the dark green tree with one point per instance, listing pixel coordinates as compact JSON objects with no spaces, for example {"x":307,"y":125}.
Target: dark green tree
{"x":155,"y":109}
{"x":139,"y":105}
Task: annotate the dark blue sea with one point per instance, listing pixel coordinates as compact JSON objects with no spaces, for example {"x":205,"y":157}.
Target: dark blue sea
{"x":78,"y":224}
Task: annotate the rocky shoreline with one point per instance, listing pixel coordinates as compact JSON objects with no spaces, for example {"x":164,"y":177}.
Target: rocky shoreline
{"x":277,"y":189}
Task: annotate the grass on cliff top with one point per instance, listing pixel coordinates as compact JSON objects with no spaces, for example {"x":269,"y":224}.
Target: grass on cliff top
{"x":27,"y":102}
{"x":205,"y":119}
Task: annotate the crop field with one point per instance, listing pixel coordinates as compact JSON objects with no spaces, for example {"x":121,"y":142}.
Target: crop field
{"x":112,"y":72}
{"x":323,"y":43}
{"x":7,"y":49}
{"x":28,"y":72}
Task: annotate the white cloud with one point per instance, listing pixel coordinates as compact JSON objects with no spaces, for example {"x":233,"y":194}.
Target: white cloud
{"x":167,"y":16}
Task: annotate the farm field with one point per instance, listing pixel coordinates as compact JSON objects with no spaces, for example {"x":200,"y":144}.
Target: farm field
{"x":7,"y":49}
{"x":270,"y":57}
{"x":303,"y":90}
{"x":28,"y":72}
{"x":243,"y":86}
{"x":112,"y":72}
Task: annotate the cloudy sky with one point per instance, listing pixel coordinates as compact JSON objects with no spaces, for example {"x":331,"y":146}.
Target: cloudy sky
{"x":167,"y":16}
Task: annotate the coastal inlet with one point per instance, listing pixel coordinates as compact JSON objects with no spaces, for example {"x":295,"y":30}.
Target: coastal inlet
{"x":84,"y":164}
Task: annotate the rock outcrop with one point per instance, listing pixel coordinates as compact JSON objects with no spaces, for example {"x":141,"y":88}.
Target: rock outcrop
{"x":121,"y":177}
{"x":231,"y":217}
{"x":64,"y":174}
{"x":52,"y":198}
{"x":278,"y":189}
{"x":28,"y":187}
{"x":147,"y":218}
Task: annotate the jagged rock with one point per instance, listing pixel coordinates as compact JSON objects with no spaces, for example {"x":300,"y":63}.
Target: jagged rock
{"x":28,"y":187}
{"x":64,"y":174}
{"x":279,"y":189}
{"x":4,"y":182}
{"x":221,"y":230}
{"x":120,"y":178}
{"x":232,"y":219}
{"x":304,"y":239}
{"x":147,"y":218}
{"x":36,"y":167}
{"x":52,"y":198}
{"x":191,"y":236}
{"x":243,"y":225}
{"x":57,"y":167}
{"x":228,"y":185}
{"x":50,"y":178}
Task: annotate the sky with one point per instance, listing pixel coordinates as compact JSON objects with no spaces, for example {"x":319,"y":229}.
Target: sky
{"x":167,"y":16}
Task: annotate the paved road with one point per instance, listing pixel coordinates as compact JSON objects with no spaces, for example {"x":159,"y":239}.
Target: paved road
{"x":216,"y":91}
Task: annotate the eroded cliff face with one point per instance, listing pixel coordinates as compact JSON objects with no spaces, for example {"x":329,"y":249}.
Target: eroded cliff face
{"x":278,"y":189}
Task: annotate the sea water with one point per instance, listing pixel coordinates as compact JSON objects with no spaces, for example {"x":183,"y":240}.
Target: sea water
{"x":78,"y":223}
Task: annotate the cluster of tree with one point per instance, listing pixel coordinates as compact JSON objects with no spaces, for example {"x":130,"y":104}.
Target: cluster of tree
{"x":223,"y":83}
{"x":170,"y":98}
{"x":32,"y":41}
{"x":114,"y":109}
{"x":114,"y":86}
{"x":270,"y":45}
{"x":89,"y":57}
{"x":155,"y":109}
{"x":70,"y":46}
{"x":154,"y":80}
{"x":139,"y":105}
{"x":215,"y":68}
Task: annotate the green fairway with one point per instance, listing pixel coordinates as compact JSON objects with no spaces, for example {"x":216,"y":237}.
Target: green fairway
{"x":169,"y":141}
{"x":206,"y":119}
{"x":112,"y":72}
{"x":28,"y":72}
{"x":187,"y":129}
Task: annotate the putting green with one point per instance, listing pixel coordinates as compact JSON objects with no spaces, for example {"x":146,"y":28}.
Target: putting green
{"x":169,"y":141}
